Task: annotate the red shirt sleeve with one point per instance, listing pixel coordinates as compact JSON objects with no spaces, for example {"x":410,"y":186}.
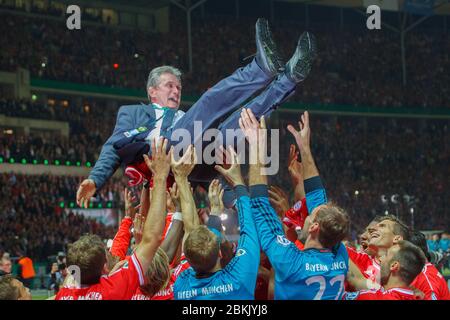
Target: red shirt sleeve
{"x":121,"y":241}
{"x":295,"y":216}
{"x":123,"y":283}
{"x":362,"y":260}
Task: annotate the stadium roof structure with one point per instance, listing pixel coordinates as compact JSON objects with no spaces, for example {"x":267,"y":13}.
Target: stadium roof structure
{"x":440,"y":7}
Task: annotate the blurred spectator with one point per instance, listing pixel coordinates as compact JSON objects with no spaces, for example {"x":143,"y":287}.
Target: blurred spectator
{"x":26,"y":271}
{"x":433,"y":243}
{"x":5,"y":265}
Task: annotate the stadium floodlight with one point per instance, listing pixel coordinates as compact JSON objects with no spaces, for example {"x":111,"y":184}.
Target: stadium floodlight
{"x":394,"y":198}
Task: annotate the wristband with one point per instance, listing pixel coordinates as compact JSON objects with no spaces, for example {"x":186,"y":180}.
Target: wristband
{"x":177,"y":216}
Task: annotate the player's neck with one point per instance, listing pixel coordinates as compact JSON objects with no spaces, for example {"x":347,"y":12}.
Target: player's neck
{"x":395,"y":282}
{"x":313,"y":244}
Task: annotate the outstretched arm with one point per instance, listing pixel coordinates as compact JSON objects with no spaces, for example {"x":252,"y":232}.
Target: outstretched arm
{"x":315,"y":192}
{"x":175,"y":233}
{"x":181,"y":170}
{"x":154,"y":224}
{"x":280,"y":251}
{"x":107,"y":162}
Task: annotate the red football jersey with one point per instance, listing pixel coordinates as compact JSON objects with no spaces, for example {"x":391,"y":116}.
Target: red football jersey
{"x":120,"y":285}
{"x":369,"y":267}
{"x":391,"y":294}
{"x":431,"y":283}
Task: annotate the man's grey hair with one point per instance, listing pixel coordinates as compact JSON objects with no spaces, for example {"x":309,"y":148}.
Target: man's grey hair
{"x":155,"y":74}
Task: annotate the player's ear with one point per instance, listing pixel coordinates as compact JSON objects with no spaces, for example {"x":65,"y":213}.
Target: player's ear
{"x":397,"y":238}
{"x":395,"y":266}
{"x":151,"y":92}
{"x":314,"y":227}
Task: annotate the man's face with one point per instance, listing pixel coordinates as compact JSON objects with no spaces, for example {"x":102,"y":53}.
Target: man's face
{"x":306,"y":226}
{"x":386,"y":261}
{"x":24,"y":292}
{"x":364,"y":238}
{"x":167,"y":93}
{"x":6,"y":265}
{"x":382,"y":234}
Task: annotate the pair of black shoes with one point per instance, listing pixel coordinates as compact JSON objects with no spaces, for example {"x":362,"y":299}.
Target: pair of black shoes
{"x":267,"y":57}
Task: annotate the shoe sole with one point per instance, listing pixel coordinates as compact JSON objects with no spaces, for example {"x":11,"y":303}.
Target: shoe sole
{"x":269,"y":46}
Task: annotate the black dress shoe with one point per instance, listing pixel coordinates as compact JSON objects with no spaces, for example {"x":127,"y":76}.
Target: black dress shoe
{"x":298,"y":67}
{"x":267,"y":55}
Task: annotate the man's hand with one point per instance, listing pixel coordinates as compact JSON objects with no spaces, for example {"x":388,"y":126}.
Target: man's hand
{"x":233,"y":174}
{"x":215,"y":194}
{"x":255,"y":133}
{"x":279,"y":200}
{"x":85,"y":192}
{"x":175,"y":197}
{"x":302,"y":137}
{"x":183,"y":167}
{"x":160,"y":162}
{"x":130,"y":211}
{"x":138,"y":228}
{"x":295,"y":167}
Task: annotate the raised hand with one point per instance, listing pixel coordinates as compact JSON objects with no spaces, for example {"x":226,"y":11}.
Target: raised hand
{"x":160,"y":162}
{"x":255,"y":133}
{"x":279,"y":200}
{"x":130,"y":211}
{"x":174,"y":193}
{"x":183,"y":167}
{"x":85,"y":192}
{"x":233,"y":173}
{"x":215,"y":194}
{"x":138,"y":228}
{"x":302,"y":137}
{"x":295,"y":167}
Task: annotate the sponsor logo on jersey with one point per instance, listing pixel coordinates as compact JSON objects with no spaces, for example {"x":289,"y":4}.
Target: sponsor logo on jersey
{"x":283,"y":241}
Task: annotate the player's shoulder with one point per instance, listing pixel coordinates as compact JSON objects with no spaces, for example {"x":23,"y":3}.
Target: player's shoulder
{"x":132,"y":108}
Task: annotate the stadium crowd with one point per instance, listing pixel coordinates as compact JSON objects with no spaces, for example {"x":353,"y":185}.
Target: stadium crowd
{"x":33,"y":221}
{"x":348,"y":59}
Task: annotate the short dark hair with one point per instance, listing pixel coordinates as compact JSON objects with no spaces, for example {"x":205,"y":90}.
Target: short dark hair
{"x":419,"y":239}
{"x":8,"y":291}
{"x":89,"y":254}
{"x":400,"y":228}
{"x":412,"y":260}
